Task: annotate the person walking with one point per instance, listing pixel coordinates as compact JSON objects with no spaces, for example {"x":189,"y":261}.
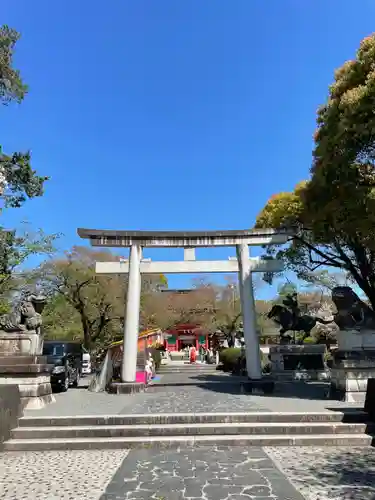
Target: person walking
{"x":202,"y":353}
{"x":193,"y":355}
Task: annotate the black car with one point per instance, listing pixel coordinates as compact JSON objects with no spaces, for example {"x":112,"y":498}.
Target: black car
{"x":66,"y":358}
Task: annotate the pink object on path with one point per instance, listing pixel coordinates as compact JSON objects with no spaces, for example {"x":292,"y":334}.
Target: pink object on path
{"x":141,"y":377}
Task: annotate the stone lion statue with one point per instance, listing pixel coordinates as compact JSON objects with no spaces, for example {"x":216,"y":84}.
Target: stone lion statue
{"x":352,"y":312}
{"x":26,"y":316}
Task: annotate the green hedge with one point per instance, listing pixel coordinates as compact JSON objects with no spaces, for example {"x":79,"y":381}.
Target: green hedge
{"x":230,"y":360}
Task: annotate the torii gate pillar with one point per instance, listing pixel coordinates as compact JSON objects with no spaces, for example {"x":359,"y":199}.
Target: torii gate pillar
{"x":131,"y":327}
{"x":253,"y":362}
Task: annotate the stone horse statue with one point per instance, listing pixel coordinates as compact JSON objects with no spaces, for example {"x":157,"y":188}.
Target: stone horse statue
{"x":352,"y":312}
{"x":289,"y":317}
{"x":26,"y":316}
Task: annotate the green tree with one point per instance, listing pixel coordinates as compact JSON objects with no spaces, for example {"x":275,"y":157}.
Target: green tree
{"x":61,"y":320}
{"x":333,"y":213}
{"x":18,"y":181}
{"x":97,"y":299}
{"x":11,"y":86}
{"x":94,"y":302}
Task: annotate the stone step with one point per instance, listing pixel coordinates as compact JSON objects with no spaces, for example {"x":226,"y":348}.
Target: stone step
{"x":24,"y":368}
{"x":174,"y":430}
{"x":197,"y":418}
{"x":346,"y":440}
{"x":22,"y":360}
{"x":182,"y":369}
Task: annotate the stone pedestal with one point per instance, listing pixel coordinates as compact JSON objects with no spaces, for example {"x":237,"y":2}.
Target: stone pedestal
{"x":12,"y":344}
{"x":298,"y":362}
{"x":21,"y":363}
{"x":353,"y":364}
{"x":32,"y":375}
{"x":126,"y":387}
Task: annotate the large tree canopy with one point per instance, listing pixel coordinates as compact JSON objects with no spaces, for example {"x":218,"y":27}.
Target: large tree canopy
{"x":18,"y":181}
{"x":334,"y":211}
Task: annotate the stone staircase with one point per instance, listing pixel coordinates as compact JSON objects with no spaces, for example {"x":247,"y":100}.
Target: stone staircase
{"x":186,"y":368}
{"x":328,"y":428}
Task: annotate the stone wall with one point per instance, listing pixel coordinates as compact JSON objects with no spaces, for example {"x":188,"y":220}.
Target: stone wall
{"x":10,"y":410}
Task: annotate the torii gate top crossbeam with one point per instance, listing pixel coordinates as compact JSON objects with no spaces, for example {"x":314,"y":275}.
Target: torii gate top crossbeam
{"x":110,"y":238}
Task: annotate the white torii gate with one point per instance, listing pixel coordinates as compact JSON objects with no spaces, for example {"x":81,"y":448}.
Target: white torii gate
{"x":243,"y":264}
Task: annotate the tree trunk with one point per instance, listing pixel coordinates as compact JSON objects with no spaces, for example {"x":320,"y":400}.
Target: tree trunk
{"x":85,"y":327}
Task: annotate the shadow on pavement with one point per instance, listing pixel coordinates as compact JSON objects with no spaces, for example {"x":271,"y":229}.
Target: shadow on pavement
{"x":227,"y":384}
{"x":295,"y":389}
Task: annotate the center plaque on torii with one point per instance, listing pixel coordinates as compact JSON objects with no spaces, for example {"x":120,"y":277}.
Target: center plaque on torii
{"x":243,"y":264}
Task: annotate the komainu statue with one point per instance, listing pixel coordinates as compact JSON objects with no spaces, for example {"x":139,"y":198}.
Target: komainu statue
{"x":289,"y":317}
{"x":352,"y":312}
{"x":26,"y":316}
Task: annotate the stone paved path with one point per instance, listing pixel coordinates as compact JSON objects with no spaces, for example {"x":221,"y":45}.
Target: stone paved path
{"x":182,"y":393}
{"x":176,"y":393}
{"x":205,"y":473}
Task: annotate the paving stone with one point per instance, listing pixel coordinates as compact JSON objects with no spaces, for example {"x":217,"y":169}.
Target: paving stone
{"x":200,"y":474}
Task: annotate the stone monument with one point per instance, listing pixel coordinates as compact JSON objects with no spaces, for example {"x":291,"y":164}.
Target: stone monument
{"x":354,"y":360}
{"x":21,"y":347}
{"x":288,"y":316}
{"x":296,"y":361}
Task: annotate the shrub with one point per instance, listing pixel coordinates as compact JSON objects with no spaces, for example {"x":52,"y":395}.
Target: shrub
{"x":231,"y":361}
{"x":229,"y":358}
{"x":309,"y":340}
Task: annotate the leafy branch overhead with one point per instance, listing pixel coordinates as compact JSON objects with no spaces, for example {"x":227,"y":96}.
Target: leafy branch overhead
{"x":18,"y":181}
{"x":334,"y":211}
{"x":11,"y":86}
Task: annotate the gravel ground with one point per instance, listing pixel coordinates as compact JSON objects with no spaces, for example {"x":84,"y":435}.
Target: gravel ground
{"x":328,"y":473}
{"x":57,"y":475}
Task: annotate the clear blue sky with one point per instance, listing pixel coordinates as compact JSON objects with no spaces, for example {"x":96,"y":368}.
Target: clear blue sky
{"x":171,"y":114}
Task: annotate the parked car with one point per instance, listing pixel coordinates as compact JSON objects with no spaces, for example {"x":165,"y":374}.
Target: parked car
{"x":86,"y":362}
{"x":67,"y":360}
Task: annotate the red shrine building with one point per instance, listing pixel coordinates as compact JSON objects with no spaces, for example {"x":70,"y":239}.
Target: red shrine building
{"x":183,"y":335}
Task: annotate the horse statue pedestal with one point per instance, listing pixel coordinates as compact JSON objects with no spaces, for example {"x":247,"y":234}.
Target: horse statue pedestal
{"x":298,"y":362}
{"x":353,"y":364}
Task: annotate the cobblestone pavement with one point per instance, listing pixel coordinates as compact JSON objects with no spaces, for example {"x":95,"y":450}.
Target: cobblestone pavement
{"x":176,"y":393}
{"x":205,"y":473}
{"x":328,"y":473}
{"x":180,"y":392}
{"x":206,"y":395}
{"x":57,"y":475}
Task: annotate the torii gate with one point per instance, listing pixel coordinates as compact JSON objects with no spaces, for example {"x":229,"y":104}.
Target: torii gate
{"x":243,"y":264}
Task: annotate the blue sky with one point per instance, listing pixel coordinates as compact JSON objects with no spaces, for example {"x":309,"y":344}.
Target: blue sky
{"x":171,"y":114}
